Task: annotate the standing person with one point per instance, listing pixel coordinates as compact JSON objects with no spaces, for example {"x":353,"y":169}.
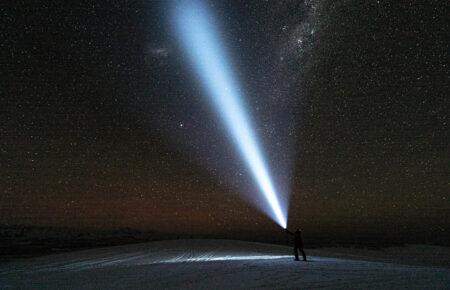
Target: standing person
{"x":298,"y":243}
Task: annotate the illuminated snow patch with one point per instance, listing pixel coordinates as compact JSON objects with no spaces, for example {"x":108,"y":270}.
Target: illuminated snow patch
{"x":225,"y":258}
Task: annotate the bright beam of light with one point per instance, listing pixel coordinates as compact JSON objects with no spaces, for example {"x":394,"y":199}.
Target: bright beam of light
{"x":199,"y":37}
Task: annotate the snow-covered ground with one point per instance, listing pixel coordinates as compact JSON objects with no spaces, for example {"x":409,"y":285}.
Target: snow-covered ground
{"x":222,"y":264}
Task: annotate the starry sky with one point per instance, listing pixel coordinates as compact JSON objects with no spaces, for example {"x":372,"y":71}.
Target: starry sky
{"x":103,"y":123}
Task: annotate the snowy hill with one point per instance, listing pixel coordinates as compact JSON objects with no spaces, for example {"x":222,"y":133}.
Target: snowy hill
{"x":215,"y":264}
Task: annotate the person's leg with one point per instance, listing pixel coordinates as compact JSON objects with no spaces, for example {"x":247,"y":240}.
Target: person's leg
{"x":303,"y":254}
{"x":296,"y":253}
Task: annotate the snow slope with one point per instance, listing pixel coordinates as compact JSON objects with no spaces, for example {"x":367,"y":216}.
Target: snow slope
{"x":212,"y":264}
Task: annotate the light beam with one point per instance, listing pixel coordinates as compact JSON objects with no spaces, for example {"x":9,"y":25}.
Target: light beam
{"x":199,"y":37}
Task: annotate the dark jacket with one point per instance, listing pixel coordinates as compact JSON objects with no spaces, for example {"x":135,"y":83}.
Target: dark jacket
{"x":298,"y":241}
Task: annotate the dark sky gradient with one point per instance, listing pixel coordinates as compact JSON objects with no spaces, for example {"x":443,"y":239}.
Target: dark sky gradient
{"x":103,"y":124}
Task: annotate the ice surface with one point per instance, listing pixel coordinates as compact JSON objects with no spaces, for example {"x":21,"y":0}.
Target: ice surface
{"x":213,"y":264}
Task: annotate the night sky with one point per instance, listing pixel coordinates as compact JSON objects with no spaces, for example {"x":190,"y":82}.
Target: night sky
{"x":104,"y":124}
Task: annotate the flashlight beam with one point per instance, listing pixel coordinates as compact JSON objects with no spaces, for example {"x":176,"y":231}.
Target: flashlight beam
{"x":199,"y":37}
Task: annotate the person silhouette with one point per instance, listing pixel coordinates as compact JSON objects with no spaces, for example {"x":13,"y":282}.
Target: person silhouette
{"x":298,"y":243}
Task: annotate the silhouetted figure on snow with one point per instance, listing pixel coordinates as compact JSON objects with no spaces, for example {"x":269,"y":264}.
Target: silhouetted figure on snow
{"x":298,"y":243}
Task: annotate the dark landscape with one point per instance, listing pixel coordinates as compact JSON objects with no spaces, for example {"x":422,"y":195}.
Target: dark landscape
{"x":215,"y":144}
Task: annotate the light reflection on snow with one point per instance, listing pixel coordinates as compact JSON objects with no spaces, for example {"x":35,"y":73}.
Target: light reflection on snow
{"x":225,"y":258}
